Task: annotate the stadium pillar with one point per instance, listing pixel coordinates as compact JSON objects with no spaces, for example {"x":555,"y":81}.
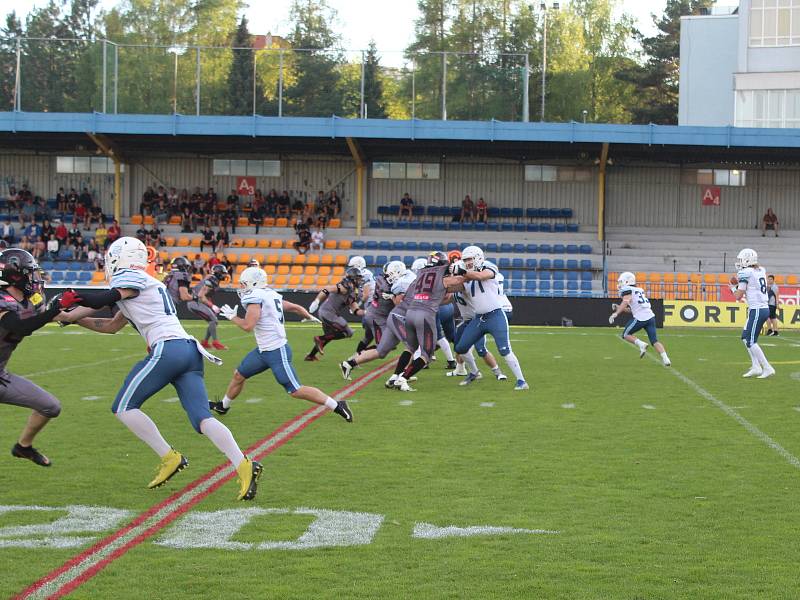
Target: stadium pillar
{"x":358,"y":157}
{"x":117,"y":189}
{"x":601,"y":194}
{"x":526,"y":90}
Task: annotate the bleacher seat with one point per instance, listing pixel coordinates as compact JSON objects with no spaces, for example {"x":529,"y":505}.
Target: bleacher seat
{"x":572,"y":249}
{"x":427,"y":225}
{"x":425,"y":246}
{"x":558,"y":286}
{"x":374,"y":223}
{"x":506,"y":227}
{"x":572,"y":276}
{"x":516,"y":285}
{"x":400,"y":225}
{"x":586,"y":263}
{"x":369,"y":259}
{"x":395,"y":257}
{"x":70,"y":276}
{"x":558,"y":263}
{"x":585,"y":249}
{"x":520,"y":227}
{"x":544,"y":286}
{"x":380,"y":259}
{"x":545,"y":263}
{"x":519,"y":248}
{"x":544,"y":275}
{"x":494,"y":212}
{"x":437,"y":247}
{"x":384,"y":245}
{"x":530,"y":263}
{"x":572,"y":228}
{"x":586,"y":286}
{"x":560,"y":228}
{"x":505,"y":263}
{"x":481,"y":227}
{"x":505,"y":213}
{"x":490,"y":247}
{"x":530,"y":285}
{"x":586,"y":276}
{"x":440,"y":226}
{"x":505,"y":247}
{"x":371,"y":245}
{"x":494,"y":226}
{"x":559,"y":249}
{"x":545,"y":228}
{"x":558,"y":276}
{"x":409,"y":260}
{"x":453,"y":246}
{"x":517,"y":263}
{"x":545,"y":249}
{"x":531,"y":248}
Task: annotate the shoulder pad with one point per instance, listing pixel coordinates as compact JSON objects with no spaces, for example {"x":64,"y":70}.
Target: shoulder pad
{"x":625,"y":290}
{"x":129,"y":278}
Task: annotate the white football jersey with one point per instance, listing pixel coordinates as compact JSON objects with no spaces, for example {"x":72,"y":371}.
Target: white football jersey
{"x":270,"y":331}
{"x":467,"y":312}
{"x":484,"y":296}
{"x":401,"y":285}
{"x":505,"y":303}
{"x":640,"y":305}
{"x":753,"y":280}
{"x":152,"y":312}
{"x":369,"y":282}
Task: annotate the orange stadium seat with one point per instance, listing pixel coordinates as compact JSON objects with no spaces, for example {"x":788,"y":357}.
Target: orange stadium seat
{"x":330,"y":244}
{"x":243,"y":259}
{"x":324,"y":271}
{"x":205,"y":255}
{"x":668,"y":277}
{"x":286,"y":258}
{"x":163,"y":255}
{"x":683,"y":278}
{"x":296,"y":270}
{"x":780,"y":279}
{"x":345,"y":244}
{"x":270,"y":269}
{"x":274,"y":244}
{"x":695,"y":278}
{"x":335,"y":223}
{"x":310,"y":270}
{"x":136,"y":220}
{"x":723,"y":278}
{"x":175,"y":220}
{"x":281,"y":280}
{"x":791,"y":280}
{"x":263,"y":243}
{"x":283,"y":269}
{"x":242,"y":222}
{"x":269,"y":222}
{"x":340,"y":259}
{"x":641,"y":277}
{"x":273,"y":259}
{"x":709,"y":278}
{"x":250,"y":243}
{"x":98,"y":276}
{"x":300,"y":259}
{"x":259,"y":258}
{"x":294,"y":281}
{"x":239,"y":268}
{"x":654,"y":278}
{"x":312,"y":259}
{"x":282,"y":222}
{"x":323,"y":280}
{"x":184,"y":241}
{"x":148,"y":220}
{"x":327,"y":259}
{"x":170,"y":241}
{"x":232,"y":258}
{"x":236,"y":243}
{"x":195,"y":242}
{"x":338,"y":271}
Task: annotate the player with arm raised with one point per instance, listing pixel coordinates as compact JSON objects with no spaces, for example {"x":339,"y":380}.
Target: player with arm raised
{"x":481,"y":291}
{"x":20,"y":283}
{"x":174,"y":357}
{"x":750,"y":283}
{"x":203,"y":306}
{"x":333,"y":302}
{"x":635,"y":300}
{"x":264,"y":316}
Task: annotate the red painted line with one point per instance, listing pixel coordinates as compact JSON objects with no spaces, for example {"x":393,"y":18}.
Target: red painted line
{"x":353,"y":387}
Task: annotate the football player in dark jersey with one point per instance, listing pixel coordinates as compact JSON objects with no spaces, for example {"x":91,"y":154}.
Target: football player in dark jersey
{"x":203,"y":306}
{"x":333,"y":302}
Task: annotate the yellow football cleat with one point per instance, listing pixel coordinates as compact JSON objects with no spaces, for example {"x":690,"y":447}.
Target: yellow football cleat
{"x":248,"y":473}
{"x":171,"y":463}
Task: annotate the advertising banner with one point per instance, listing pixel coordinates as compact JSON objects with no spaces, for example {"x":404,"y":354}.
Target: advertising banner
{"x":246,"y":186}
{"x":685,"y":313}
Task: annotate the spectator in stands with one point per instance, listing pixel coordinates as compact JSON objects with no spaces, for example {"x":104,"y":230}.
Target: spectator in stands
{"x":76,"y":241}
{"x":334,"y":205}
{"x":141,"y":233}
{"x":62,"y":234}
{"x":101,"y":235}
{"x":47,"y":231}
{"x":146,"y":205}
{"x":271,"y":202}
{"x":154,"y":237}
{"x":406,"y":206}
{"x":61,"y":200}
{"x":481,"y":211}
{"x":284,"y":204}
{"x":198,"y":264}
{"x":303,"y":242}
{"x":256,"y":216}
{"x":33,"y":232}
{"x":24,"y":194}
{"x":80,"y":212}
{"x":187,"y":220}
{"x":172,"y":201}
{"x":94,"y":253}
{"x":231,"y":214}
{"x":72,"y":200}
{"x":74,"y":232}
{"x":223,"y":239}
{"x":216,"y":259}
{"x":28,"y":212}
{"x":25,"y":244}
{"x":196,"y":199}
{"x":259,"y":201}
{"x":114,"y":232}
{"x":208,"y":239}
{"x":769,"y":221}
{"x":298,"y":208}
{"x":52,"y":247}
{"x":13,"y":198}
{"x":467,"y":210}
{"x":161,"y":209}
{"x":211,"y":198}
{"x":317,"y":239}
{"x":226,"y":263}
{"x":7,"y":234}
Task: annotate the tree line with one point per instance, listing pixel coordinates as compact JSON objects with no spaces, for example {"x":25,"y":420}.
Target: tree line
{"x":468,"y":55}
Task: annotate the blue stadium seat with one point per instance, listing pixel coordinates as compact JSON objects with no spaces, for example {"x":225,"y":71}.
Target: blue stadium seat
{"x":545,"y":263}
{"x":530,"y":213}
{"x":517,"y":212}
{"x":519,"y":248}
{"x":453,"y":246}
{"x":505,"y":263}
{"x":517,"y":263}
{"x":544,"y":276}
{"x":61,"y":266}
{"x":530,"y":273}
{"x":544,"y":286}
{"x":440,"y":226}
{"x":46,"y":265}
{"x":572,"y":264}
{"x":586,"y":276}
{"x":505,"y":213}
{"x":374,"y":223}
{"x":427,"y":225}
{"x":467,"y":226}
{"x":409,"y":246}
{"x":586,"y":264}
{"x":530,"y":263}
{"x":506,"y":227}
{"x":86,"y":266}
{"x":384,"y":245}
{"x":371,"y":245}
{"x":437,"y":246}
{"x":492,"y":259}
{"x":505,"y":247}
{"x":559,"y":249}
{"x":369,"y":259}
{"x":558,"y":287}
{"x":381,"y":259}
{"x":494,"y":226}
{"x":425,"y":246}
{"x":558,"y":263}
{"x":586,"y":294}
{"x":359,"y":245}
{"x":530,"y":285}
{"x":433,"y":211}
{"x":70,"y":276}
{"x":417,"y":210}
{"x":566,"y":213}
{"x":494,"y":212}
{"x":480,"y":226}
{"x":532,"y":248}
{"x":532,"y":227}
{"x":415,"y":225}
{"x":546,"y":228}
{"x":558,"y":276}
{"x":585,"y":249}
{"x":560,"y":228}
{"x":491,"y":247}
{"x":554,"y":213}
{"x":586,"y":285}
{"x":402,"y":225}
{"x":572,"y":227}
{"x":395,"y":257}
{"x":388,"y":224}
{"x":409,"y":260}
{"x":59,"y":275}
{"x":516,"y":285}
{"x":398,"y":246}
{"x":84,"y":276}
{"x":573,"y":276}
{"x":384,"y":210}
{"x":454,"y":226}
{"x":544,"y":249}
{"x":572,"y":248}
{"x":517,"y":275}
{"x":520,"y":227}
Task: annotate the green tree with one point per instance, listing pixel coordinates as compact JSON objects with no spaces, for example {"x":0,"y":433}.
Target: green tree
{"x":11,"y":30}
{"x":656,"y":81}
{"x":431,"y":32}
{"x":373,"y":84}
{"x":317,"y":60}
{"x":240,"y":76}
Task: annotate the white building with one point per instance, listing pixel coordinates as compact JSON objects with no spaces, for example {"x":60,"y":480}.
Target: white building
{"x":743,"y":68}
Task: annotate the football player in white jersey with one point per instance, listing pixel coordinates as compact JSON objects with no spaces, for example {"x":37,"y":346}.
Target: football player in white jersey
{"x":174,"y":357}
{"x":482,"y":292}
{"x":635,"y":301}
{"x":750,"y":283}
{"x":264,"y":315}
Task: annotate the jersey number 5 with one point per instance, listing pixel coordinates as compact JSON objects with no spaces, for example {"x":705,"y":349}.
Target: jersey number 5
{"x":279,"y":308}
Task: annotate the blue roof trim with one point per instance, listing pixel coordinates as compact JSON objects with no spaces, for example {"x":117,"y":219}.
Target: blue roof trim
{"x":337,"y":127}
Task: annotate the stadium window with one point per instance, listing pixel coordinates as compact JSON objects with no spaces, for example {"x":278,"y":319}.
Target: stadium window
{"x":272,"y":168}
{"x":65,"y":164}
{"x":430,"y":170}
{"x":398,"y":170}
{"x":775,"y":23}
{"x":380,"y":170}
{"x":767,"y":108}
{"x":413,"y":170}
{"x":705,"y":176}
{"x":82,"y":164}
{"x":238,"y":167}
{"x":548,"y":173}
{"x":221,"y":167}
{"x":583,"y":174}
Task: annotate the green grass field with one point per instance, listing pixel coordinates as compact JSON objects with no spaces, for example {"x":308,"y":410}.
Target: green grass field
{"x":654,"y":490}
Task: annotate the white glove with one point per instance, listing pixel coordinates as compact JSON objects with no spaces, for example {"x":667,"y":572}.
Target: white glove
{"x":228,"y":312}
{"x":311,"y":319}
{"x":612,"y":318}
{"x":387,"y":296}
{"x":215,"y":308}
{"x":314,"y":306}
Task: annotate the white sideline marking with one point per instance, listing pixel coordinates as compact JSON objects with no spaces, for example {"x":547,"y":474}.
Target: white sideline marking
{"x":170,"y":400}
{"x":795,"y":375}
{"x":797,"y":408}
{"x":568,"y":405}
{"x":91,"y":398}
{"x":253,"y":400}
{"x":432,"y":532}
{"x":406,"y":402}
{"x":487,"y":404}
{"x":556,"y":357}
{"x":701,"y":359}
{"x":731,"y":412}
{"x":648,"y":406}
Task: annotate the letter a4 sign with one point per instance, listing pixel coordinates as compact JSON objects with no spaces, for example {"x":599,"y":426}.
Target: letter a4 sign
{"x":246,"y":186}
{"x":711,"y":196}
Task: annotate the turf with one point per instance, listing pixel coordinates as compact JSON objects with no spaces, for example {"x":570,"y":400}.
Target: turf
{"x":654,"y":491}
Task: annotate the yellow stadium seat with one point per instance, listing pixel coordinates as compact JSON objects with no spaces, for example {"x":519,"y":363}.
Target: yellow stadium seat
{"x":312,"y":259}
{"x":232,"y":258}
{"x":300,"y":259}
{"x":195,"y":242}
{"x":335,"y":223}
{"x":263,"y":243}
{"x":250,"y":243}
{"x":283,"y":269}
{"x":273,"y":259}
{"x":323,"y":280}
{"x":240,"y":268}
{"x":148,"y":220}
{"x":205,"y":255}
{"x":98,"y":276}
{"x":345,"y":244}
{"x":136,"y":220}
{"x":163,"y":255}
{"x":243,"y":259}
{"x":791,"y":280}
{"x":330,"y":244}
{"x":324,"y":271}
{"x":683,"y":278}
{"x":294,"y":281}
{"x":340,"y":259}
{"x":269,"y":222}
{"x":654,"y":278}
{"x":276,"y":244}
{"x":289,"y":244}
{"x":723,"y":278}
{"x":296,"y":270}
{"x":270,"y":269}
{"x":310,"y":270}
{"x":641,"y":277}
{"x":282,"y":222}
{"x":236,"y":243}
{"x":338,"y":271}
{"x":286,"y":259}
{"x":184,"y":241}
{"x":327,"y":259}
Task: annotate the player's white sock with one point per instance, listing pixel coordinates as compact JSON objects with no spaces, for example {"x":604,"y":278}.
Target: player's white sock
{"x":417,"y":354}
{"x":144,"y":428}
{"x":641,"y":345}
{"x":664,"y":358}
{"x":754,"y":358}
{"x":222,"y":438}
{"x":331,"y":403}
{"x":496,"y":370}
{"x":513,"y":364}
{"x":469,"y":360}
{"x":226,"y":402}
{"x":759,"y":354}
{"x":445,"y":347}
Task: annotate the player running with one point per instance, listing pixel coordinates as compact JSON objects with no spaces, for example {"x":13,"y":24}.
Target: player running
{"x":750,"y":283}
{"x":264,"y":315}
{"x":367,"y":292}
{"x":203,"y":306}
{"x":379,"y":305}
{"x":635,"y":301}
{"x":179,"y":280}
{"x":174,"y":357}
{"x":20,"y":282}
{"x":333,"y":302}
{"x":480,"y":287}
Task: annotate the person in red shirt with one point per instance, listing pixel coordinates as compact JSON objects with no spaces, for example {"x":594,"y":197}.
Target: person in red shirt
{"x":481,"y":211}
{"x":113,"y":233}
{"x":62,"y":233}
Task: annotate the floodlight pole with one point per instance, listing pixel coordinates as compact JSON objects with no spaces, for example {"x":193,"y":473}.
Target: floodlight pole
{"x":280,"y":83}
{"x":116,"y":76}
{"x":105,"y":73}
{"x":362,"y":112}
{"x":544,"y":62}
{"x":197,"y":82}
{"x":255,"y":60}
{"x":526,"y":91}
{"x":18,"y":78}
{"x":175,"y":87}
{"x":444,"y":86}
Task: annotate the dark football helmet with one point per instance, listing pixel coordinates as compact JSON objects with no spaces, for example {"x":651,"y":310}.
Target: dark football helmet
{"x":354,"y":275}
{"x":437,"y":258}
{"x":20,"y":270}
{"x":181,"y":263}
{"x":219,"y":272}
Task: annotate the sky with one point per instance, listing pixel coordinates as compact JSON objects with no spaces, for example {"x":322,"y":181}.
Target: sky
{"x":389,"y":22}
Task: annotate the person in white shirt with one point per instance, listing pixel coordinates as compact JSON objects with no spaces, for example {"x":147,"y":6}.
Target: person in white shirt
{"x":264,"y":315}
{"x":750,"y":283}
{"x":635,"y":301}
{"x":317,"y":239}
{"x":174,"y":357}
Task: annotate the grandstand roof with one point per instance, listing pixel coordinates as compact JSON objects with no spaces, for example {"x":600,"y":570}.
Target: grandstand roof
{"x":218,"y":135}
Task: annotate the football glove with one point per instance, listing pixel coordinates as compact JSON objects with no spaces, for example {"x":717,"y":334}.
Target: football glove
{"x":387,"y":296}
{"x":311,"y":319}
{"x":612,"y":318}
{"x":314,"y":306}
{"x":69,"y":299}
{"x":228,"y":312}
{"x":459,"y":268}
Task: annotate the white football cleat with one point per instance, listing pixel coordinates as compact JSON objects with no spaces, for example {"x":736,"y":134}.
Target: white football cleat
{"x":667,"y":362}
{"x":389,"y":385}
{"x":401,"y":384}
{"x":768,"y":372}
{"x":501,"y":377}
{"x":753,"y":372}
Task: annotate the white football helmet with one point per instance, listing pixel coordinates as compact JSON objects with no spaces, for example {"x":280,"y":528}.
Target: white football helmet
{"x":125,"y":253}
{"x":250,"y":279}
{"x":746,"y":258}
{"x":472,"y":257}
{"x":419,"y":264}
{"x":394,"y":270}
{"x":626,"y":278}
{"x":358,"y":261}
